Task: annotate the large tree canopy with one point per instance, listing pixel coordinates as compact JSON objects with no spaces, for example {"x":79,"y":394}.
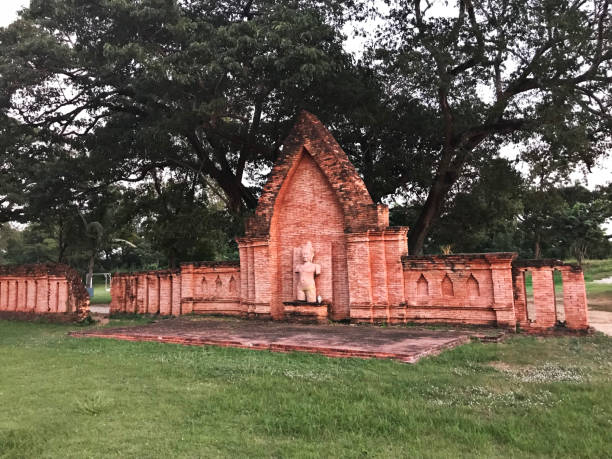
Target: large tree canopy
{"x":203,"y":86}
{"x":499,"y":71}
{"x":193,"y":97}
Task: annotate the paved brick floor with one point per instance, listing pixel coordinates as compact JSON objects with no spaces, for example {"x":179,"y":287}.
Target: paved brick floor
{"x":404,"y":344}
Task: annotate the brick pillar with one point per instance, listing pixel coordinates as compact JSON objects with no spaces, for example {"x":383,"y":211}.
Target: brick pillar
{"x":53,"y":293}
{"x":20,"y":294}
{"x":118,"y":296}
{"x":62,"y":297}
{"x":244,"y":268}
{"x":142,"y":295}
{"x":378,"y":268}
{"x":520,"y":297}
{"x":396,"y":246}
{"x":165,"y":294}
{"x":574,"y":298}
{"x":42,"y":295}
{"x":262,"y":281}
{"x":251,"y":274}
{"x":31,"y":293}
{"x":358,"y":263}
{"x":187,"y":288}
{"x":544,"y":297}
{"x":4,"y":283}
{"x":153,"y":294}
{"x":503,"y":293}
{"x":176,"y":294}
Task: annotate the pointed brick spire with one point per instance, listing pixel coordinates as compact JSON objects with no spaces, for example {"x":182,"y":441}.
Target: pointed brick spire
{"x":309,"y":136}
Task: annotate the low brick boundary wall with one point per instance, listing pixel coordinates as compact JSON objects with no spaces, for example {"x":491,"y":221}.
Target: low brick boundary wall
{"x":209,"y":287}
{"x":50,"y":290}
{"x":542,"y":311}
{"x":475,"y":289}
{"x":146,"y":292}
{"x":470,"y":288}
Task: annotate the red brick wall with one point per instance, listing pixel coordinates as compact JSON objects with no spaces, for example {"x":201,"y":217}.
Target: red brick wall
{"x":376,"y":281}
{"x":216,"y":288}
{"x":384,"y":285}
{"x":149,"y":292}
{"x":547,"y":309}
{"x":307,"y":209}
{"x":42,"y":289}
{"x":314,"y":194}
{"x":359,"y":211}
{"x":198,"y":287}
{"x":462,"y":288}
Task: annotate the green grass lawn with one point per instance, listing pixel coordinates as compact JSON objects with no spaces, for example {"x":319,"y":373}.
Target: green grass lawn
{"x":599,"y":295}
{"x":527,"y":397}
{"x":101,"y":296}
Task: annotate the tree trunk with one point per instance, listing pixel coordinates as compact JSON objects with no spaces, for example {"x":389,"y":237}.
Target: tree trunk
{"x":537,"y":250}
{"x":431,"y":211}
{"x":236,"y":192}
{"x":90,"y":269}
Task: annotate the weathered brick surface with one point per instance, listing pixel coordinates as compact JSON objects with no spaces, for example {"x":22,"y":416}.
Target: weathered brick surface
{"x":296,"y":311}
{"x":147,"y":292}
{"x":198,"y":287}
{"x":28,"y":291}
{"x":543,"y":314}
{"x":405,"y":344}
{"x":315,"y":194}
{"x":307,"y":209}
{"x":309,"y":136}
{"x":216,"y":288}
{"x":461,"y":288}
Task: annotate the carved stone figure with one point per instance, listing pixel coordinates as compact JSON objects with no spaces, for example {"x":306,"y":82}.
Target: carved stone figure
{"x":307,"y":290}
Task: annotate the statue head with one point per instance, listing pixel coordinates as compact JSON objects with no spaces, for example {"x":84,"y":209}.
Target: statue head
{"x":307,"y":252}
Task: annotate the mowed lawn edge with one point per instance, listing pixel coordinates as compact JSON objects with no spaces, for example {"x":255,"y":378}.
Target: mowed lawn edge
{"x":527,"y":397}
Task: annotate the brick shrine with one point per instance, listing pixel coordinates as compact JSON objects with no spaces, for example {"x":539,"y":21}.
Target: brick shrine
{"x":315,"y":194}
{"x":365,"y":274}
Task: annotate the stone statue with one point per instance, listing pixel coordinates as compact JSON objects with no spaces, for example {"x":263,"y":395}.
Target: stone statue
{"x":307,"y":290}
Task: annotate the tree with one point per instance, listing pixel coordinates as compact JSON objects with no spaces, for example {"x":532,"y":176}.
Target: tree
{"x":566,"y":222}
{"x":182,"y":221}
{"x":501,"y":71}
{"x":485,"y":216}
{"x":204,"y":87}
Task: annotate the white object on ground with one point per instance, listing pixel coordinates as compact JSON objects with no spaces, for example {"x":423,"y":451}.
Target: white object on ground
{"x":605,"y":280}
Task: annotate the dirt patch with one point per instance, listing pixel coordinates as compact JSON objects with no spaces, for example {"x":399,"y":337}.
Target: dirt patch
{"x":600,"y":303}
{"x":601,"y":321}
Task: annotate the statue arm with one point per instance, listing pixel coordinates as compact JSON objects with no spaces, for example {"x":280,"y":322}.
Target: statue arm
{"x":317,"y":269}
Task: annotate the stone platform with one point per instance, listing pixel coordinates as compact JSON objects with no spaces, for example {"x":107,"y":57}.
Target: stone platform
{"x":404,"y":344}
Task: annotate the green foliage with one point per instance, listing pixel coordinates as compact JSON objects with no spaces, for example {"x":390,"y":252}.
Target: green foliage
{"x":500,"y":72}
{"x":200,"y":94}
{"x":566,"y":222}
{"x":204,"y":87}
{"x":485,"y":217}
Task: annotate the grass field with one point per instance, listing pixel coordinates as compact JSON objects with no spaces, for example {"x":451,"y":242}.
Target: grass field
{"x":526,"y":397}
{"x":599,"y":295}
{"x":101,"y":296}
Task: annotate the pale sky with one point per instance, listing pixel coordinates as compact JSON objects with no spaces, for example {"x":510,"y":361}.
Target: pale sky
{"x":601,"y":174}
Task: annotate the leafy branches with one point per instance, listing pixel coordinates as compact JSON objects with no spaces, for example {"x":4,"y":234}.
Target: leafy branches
{"x":500,"y":68}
